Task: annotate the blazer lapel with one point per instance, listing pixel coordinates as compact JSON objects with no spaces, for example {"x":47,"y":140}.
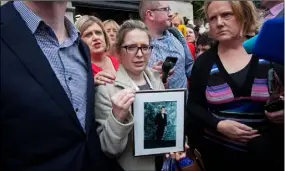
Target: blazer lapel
{"x":90,"y":116}
{"x":122,"y":79}
{"x":154,"y":78}
{"x":15,"y":32}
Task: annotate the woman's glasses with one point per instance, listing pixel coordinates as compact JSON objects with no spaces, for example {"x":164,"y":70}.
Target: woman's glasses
{"x":131,"y":49}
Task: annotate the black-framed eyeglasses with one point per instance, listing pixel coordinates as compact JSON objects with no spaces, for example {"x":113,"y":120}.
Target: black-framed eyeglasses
{"x":134,"y":49}
{"x":166,"y":9}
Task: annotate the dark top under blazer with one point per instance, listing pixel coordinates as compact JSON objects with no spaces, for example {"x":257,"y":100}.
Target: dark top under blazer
{"x":39,"y":127}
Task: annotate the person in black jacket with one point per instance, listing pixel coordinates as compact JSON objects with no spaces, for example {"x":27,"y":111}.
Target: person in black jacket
{"x":47,"y":92}
{"x":227,"y":121}
{"x":160,"y":123}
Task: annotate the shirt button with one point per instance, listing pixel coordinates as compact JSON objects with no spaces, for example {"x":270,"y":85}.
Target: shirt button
{"x":69,"y":78}
{"x":76,"y":110}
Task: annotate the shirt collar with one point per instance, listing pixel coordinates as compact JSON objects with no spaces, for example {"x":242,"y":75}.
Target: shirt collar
{"x":73,"y":32}
{"x":165,"y":34}
{"x":33,"y":21}
{"x":277,"y":9}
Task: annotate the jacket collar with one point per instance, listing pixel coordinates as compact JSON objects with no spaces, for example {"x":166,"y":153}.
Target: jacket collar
{"x":123,"y":80}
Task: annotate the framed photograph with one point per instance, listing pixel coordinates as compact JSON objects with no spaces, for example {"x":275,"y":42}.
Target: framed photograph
{"x":159,"y":121}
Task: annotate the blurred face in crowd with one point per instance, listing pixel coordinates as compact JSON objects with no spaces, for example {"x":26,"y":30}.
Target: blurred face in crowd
{"x":202,"y":48}
{"x":135,"y":59}
{"x":176,"y":21}
{"x":190,"y":35}
{"x":94,"y":37}
{"x":112,"y":31}
{"x":222,"y":21}
{"x":162,"y":16}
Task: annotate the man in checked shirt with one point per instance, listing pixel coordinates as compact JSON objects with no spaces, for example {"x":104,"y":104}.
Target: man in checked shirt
{"x":47,"y":92}
{"x":156,"y":15}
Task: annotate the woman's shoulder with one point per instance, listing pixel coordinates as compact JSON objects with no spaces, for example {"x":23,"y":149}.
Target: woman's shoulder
{"x":154,"y":77}
{"x":105,"y":89}
{"x":115,"y":62}
{"x":153,"y":73}
{"x":95,"y":69}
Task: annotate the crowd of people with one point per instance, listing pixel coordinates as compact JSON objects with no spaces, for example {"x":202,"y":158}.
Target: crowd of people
{"x":67,"y":89}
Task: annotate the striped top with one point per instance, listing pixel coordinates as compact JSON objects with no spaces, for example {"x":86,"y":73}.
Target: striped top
{"x":244,"y":104}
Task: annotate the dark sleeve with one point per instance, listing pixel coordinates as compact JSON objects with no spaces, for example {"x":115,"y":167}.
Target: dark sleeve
{"x":197,"y":112}
{"x":156,"y":119}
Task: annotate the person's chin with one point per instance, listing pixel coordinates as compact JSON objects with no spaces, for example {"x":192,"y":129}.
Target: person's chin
{"x":138,"y":69}
{"x":168,"y":24}
{"x":224,"y":38}
{"x":113,"y":41}
{"x":99,"y":50}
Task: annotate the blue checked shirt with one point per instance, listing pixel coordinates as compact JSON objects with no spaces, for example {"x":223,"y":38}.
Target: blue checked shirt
{"x":168,"y":45}
{"x":65,"y":58}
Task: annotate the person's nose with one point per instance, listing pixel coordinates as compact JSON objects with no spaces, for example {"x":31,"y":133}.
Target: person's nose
{"x":220,"y":22}
{"x":112,"y":34}
{"x":139,"y":53}
{"x":94,"y":37}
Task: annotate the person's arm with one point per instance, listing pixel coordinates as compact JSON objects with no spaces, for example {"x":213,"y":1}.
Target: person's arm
{"x":113,"y":133}
{"x":197,"y":104}
{"x":156,"y":120}
{"x":188,"y":60}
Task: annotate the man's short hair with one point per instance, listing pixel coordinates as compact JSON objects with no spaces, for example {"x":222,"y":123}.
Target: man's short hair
{"x":205,"y":40}
{"x":146,"y":5}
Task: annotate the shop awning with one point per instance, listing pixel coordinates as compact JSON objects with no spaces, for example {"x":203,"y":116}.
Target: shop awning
{"x":130,"y":5}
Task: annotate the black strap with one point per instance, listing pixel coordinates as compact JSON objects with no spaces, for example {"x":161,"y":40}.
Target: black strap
{"x":176,"y":33}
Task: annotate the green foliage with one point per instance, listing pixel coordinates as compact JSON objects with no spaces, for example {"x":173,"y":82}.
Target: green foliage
{"x":151,"y":109}
{"x":197,"y":9}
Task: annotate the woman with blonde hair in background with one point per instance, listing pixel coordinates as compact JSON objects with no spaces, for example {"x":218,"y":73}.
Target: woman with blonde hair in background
{"x":111,"y":28}
{"x":94,"y":35}
{"x":178,"y":22}
{"x":227,"y":120}
{"x":177,"y":19}
{"x":191,"y":40}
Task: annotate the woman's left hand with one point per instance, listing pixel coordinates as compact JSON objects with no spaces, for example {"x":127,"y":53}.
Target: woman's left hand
{"x":178,"y":155}
{"x":276,"y":117}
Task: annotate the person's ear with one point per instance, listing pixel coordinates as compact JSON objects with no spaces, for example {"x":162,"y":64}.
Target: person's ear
{"x":150,"y":15}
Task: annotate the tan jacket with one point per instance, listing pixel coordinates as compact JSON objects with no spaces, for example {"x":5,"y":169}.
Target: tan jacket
{"x":116,"y":137}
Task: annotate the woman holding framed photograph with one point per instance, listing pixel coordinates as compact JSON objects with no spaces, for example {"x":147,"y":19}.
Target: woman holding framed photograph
{"x":113,"y":101}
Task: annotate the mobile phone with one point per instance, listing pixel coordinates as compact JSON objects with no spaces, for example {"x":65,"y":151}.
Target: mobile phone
{"x":171,"y":59}
{"x":167,"y":65}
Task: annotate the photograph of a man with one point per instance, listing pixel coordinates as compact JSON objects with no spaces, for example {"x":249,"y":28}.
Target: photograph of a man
{"x":160,"y":124}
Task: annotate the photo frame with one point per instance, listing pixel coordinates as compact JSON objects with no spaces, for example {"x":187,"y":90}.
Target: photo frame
{"x":159,"y":121}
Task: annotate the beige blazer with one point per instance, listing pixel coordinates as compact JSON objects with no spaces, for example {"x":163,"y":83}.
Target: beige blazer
{"x":116,"y":137}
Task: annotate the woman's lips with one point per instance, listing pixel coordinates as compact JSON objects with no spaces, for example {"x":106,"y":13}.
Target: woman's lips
{"x":139,"y":64}
{"x":97,"y":45}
